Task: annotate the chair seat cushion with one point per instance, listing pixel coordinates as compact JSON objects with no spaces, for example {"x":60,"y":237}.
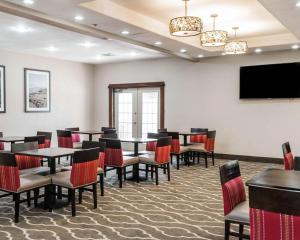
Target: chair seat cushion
{"x":38,"y":170}
{"x":240,"y":213}
{"x":62,"y":179}
{"x":77,"y":145}
{"x":69,"y":168}
{"x":148,"y":159}
{"x":127,"y":160}
{"x":183,"y":149}
{"x":28,"y":182}
{"x":197,"y":148}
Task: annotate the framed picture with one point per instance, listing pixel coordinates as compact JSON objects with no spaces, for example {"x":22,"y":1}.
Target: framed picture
{"x":2,"y":89}
{"x":37,"y":90}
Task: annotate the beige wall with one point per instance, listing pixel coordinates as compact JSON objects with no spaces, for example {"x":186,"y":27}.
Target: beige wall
{"x":206,"y":94}
{"x":71,"y":98}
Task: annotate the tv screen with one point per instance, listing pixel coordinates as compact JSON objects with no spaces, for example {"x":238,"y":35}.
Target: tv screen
{"x":270,"y":81}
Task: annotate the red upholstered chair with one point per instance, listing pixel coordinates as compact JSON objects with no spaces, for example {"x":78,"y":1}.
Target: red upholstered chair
{"x":288,"y":158}
{"x":159,"y":159}
{"x":28,"y":164}
{"x":65,"y":140}
{"x":176,"y":150}
{"x":207,"y":149}
{"x":236,"y":207}
{"x":114,"y":158}
{"x":48,"y":137}
{"x":83,"y":174}
{"x":151,"y":146}
{"x":75,"y":136}
{"x":1,"y":143}
{"x":199,"y":138}
{"x":39,"y":139}
{"x":12,"y":182}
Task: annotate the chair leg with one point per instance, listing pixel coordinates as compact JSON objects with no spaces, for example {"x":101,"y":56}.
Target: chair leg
{"x":120,"y":175}
{"x":101,"y":184}
{"x":58,"y":161}
{"x":168,"y":169}
{"x":165,"y":170}
{"x":171,"y":158}
{"x":177,"y":159}
{"x":213,"y":158}
{"x":104,"y":171}
{"x":151,"y":172}
{"x":80,"y":195}
{"x":241,"y":231}
{"x":227,"y":230}
{"x":156,"y":174}
{"x":46,"y":197}
{"x":59,"y":192}
{"x":205,"y":156}
{"x":95,"y":195}
{"x":36,"y":193}
{"x":28,"y":199}
{"x":73,"y":203}
{"x":147,"y":169}
{"x":136,"y":172}
{"x":17,"y":206}
{"x":124,"y":173}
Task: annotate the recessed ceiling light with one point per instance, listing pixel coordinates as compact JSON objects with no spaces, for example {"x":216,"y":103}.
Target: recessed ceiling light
{"x":125,"y":32}
{"x":158,"y":43}
{"x":21,"y":29}
{"x":87,"y":44}
{"x":29,"y":2}
{"x":52,"y":49}
{"x":183,"y":50}
{"x":298,"y":4}
{"x":78,"y":18}
{"x":258,"y":50}
{"x":200,"y":56}
{"x":295,"y":46}
{"x":133,"y":54}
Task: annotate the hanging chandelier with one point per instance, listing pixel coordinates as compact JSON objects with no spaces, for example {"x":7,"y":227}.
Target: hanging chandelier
{"x":236,"y":47}
{"x":185,"y":26}
{"x":214,"y":38}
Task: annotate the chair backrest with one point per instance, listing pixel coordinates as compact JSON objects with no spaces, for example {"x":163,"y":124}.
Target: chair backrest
{"x":84,"y":167}
{"x":39,"y":139}
{"x":151,"y":146}
{"x":25,"y":162}
{"x":75,"y":136}
{"x":1,"y":143}
{"x":210,"y":141}
{"x":175,"y":143}
{"x":110,"y":135}
{"x":113,"y":152}
{"x":288,"y":158}
{"x":101,"y":146}
{"x":162,"y":130}
{"x":108,"y":130}
{"x":232,"y":186}
{"x":48,"y":137}
{"x":199,"y":138}
{"x":64,"y":139}
{"x":9,"y":172}
{"x":163,"y":150}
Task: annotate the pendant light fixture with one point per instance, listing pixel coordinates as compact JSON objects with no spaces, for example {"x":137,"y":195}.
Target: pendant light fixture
{"x":214,"y":38}
{"x":185,"y":26}
{"x":236,"y":47}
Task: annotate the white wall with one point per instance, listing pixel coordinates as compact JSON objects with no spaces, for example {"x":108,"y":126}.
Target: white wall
{"x":206,"y":94}
{"x":71,"y":95}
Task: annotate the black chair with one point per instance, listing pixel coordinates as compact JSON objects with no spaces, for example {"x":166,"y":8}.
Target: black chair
{"x":107,"y":130}
{"x":48,"y":137}
{"x":162,"y":130}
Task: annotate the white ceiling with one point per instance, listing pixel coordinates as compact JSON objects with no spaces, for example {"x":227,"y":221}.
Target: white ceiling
{"x":148,"y":20}
{"x":67,"y":45}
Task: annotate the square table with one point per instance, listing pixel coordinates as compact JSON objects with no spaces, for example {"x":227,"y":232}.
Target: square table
{"x":12,"y":139}
{"x":136,"y":142}
{"x":186,"y":134}
{"x":50,"y":153}
{"x":90,"y":133}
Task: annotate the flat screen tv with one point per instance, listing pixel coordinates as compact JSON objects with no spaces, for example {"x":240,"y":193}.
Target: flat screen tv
{"x":270,"y":81}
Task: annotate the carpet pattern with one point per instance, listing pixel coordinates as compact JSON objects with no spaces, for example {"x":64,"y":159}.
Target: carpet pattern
{"x":189,"y":207}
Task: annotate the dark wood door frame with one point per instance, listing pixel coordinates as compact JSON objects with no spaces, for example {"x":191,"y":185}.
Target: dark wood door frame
{"x":161,"y":85}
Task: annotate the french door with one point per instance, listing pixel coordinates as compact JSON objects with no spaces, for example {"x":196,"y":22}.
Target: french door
{"x":136,"y":111}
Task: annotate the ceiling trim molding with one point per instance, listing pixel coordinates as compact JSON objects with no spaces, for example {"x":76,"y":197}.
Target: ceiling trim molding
{"x":34,"y":15}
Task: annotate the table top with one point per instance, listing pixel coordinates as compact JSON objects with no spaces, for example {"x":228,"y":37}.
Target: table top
{"x":276,"y":178}
{"x":138,"y":140}
{"x":12,"y":139}
{"x":90,"y":132}
{"x":53,"y":152}
{"x":190,"y":133}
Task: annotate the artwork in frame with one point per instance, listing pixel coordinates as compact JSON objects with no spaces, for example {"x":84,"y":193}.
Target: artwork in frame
{"x":2,"y":89}
{"x":37,"y":90}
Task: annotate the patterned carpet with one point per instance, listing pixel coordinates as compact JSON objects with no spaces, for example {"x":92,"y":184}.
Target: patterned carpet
{"x":188,"y":207}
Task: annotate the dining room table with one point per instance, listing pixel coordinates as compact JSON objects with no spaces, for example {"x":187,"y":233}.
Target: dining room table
{"x":136,"y":142}
{"x":185,"y":136}
{"x":90,"y":133}
{"x":12,"y":139}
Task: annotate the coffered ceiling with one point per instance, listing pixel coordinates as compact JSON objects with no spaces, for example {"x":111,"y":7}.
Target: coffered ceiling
{"x":264,"y":24}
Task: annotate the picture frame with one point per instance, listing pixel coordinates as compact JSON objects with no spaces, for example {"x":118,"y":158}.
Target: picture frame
{"x":2,"y":90}
{"x":37,"y":90}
